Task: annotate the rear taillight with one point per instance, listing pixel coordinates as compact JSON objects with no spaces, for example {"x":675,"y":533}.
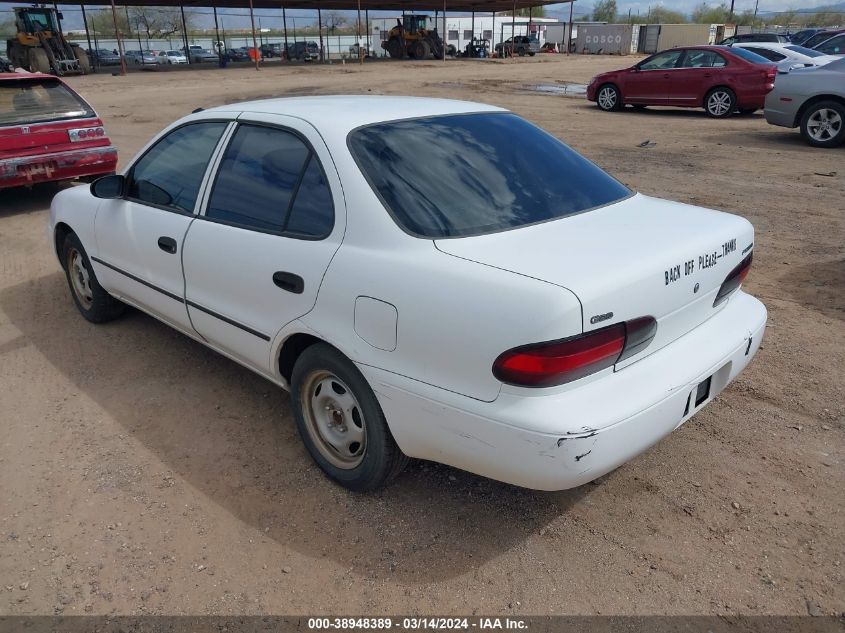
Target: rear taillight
{"x":734,"y":279}
{"x":86,"y":134}
{"x":558,"y":362}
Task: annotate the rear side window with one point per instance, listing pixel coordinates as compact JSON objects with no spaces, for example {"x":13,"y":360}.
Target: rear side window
{"x":748,"y":56}
{"x":41,"y":100}
{"x":772,"y":56}
{"x":170,"y":174}
{"x":703,"y":59}
{"x":270,"y":180}
{"x":809,"y":52}
{"x":471,"y":174}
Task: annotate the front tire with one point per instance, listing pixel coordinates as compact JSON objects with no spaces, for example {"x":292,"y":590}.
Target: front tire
{"x":823,"y":124}
{"x":720,"y":103}
{"x":341,"y":422}
{"x":93,"y":302}
{"x":608,"y":98}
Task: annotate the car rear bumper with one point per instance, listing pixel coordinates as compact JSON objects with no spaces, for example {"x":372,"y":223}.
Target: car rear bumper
{"x":782,"y":113}
{"x":565,"y":439}
{"x":28,"y":170}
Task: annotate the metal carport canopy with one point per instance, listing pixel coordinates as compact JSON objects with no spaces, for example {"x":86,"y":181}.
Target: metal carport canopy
{"x":372,"y":5}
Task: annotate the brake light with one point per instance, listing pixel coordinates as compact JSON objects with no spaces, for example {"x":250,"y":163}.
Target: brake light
{"x":734,"y":279}
{"x":558,"y":362}
{"x":86,"y":133}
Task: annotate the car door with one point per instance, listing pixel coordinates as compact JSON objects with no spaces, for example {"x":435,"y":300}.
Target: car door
{"x":140,"y":236}
{"x":697,"y":72}
{"x":648,"y":82}
{"x":271,"y":222}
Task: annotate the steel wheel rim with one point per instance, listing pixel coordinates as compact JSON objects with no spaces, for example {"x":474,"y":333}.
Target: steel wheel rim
{"x":607,"y":98}
{"x":334,"y":419}
{"x":824,"y":124}
{"x":80,"y":278}
{"x":719,"y":103}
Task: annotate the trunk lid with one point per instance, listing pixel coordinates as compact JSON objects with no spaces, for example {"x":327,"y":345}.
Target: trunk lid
{"x":638,"y":257}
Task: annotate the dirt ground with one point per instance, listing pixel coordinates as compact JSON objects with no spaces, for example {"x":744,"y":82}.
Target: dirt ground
{"x":142,"y":473}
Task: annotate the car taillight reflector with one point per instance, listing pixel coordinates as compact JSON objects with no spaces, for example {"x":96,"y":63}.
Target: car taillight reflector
{"x":558,"y":362}
{"x":86,"y":133}
{"x":734,"y":279}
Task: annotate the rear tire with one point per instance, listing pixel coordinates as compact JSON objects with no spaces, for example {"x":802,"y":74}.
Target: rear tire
{"x":823,"y":124}
{"x":720,"y":103}
{"x":608,"y":98}
{"x":93,"y":302}
{"x":341,"y":422}
{"x":38,"y":61}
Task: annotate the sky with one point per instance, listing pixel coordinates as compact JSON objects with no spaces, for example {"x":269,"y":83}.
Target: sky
{"x":73,"y":18}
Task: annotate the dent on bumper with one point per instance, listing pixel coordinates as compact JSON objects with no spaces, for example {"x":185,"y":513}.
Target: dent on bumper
{"x":566,"y":439}
{"x":56,"y":166}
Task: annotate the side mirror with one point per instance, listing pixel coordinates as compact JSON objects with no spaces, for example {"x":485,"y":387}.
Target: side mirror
{"x":108,"y":187}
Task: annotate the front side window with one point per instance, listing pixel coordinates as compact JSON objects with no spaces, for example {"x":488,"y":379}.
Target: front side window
{"x":703,"y":59}
{"x":270,"y":180}
{"x":834,"y":46}
{"x":472,"y":181}
{"x":661,"y":61}
{"x":39,"y":100}
{"x":170,"y":174}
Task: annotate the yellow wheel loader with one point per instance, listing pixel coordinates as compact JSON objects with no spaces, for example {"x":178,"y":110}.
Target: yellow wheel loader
{"x":40,"y":47}
{"x":411,"y":38}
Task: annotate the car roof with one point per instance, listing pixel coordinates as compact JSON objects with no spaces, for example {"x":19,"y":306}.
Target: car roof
{"x":343,"y":113}
{"x":769,"y":45}
{"x":26,"y":75}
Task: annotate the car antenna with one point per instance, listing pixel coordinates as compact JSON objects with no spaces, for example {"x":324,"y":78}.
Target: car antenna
{"x":197,"y":110}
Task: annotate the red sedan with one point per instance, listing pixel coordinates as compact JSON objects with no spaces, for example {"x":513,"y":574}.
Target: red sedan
{"x":720,"y":79}
{"x":48,"y":132}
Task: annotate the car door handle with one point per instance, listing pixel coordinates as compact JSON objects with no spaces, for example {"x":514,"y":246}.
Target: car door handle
{"x":167,"y":244}
{"x":289,"y":281}
{"x":666,"y":76}
{"x":707,"y":75}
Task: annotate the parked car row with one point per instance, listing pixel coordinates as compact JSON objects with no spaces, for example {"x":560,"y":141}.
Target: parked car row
{"x":726,"y":80}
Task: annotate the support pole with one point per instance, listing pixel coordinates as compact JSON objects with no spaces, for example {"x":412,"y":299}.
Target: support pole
{"x":569,"y":39}
{"x":119,"y":39}
{"x":285,"y":26}
{"x":320,"y":31}
{"x":254,"y":42}
{"x":513,"y":30}
{"x":445,"y":32}
{"x":358,"y":31}
{"x":184,"y":34}
{"x":367,"y":19}
{"x":217,"y":38}
{"x":472,"y":27}
{"x":87,"y":33}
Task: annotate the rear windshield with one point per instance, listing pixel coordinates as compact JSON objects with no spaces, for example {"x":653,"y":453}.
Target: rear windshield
{"x":749,"y":56}
{"x":809,"y":52}
{"x":470,"y":174}
{"x":39,"y":100}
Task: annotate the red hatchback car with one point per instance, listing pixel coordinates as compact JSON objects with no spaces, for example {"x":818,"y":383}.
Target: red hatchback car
{"x":48,"y":132}
{"x":720,"y":79}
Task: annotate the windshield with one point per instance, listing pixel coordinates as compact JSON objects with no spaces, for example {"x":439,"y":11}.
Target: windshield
{"x":38,"y":100}
{"x":749,"y":56}
{"x":809,"y":52}
{"x":480,"y":173}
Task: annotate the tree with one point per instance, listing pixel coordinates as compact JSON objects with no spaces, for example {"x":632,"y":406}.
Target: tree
{"x":704,"y":14}
{"x":102,"y":22}
{"x":158,"y":22}
{"x":334,"y":20}
{"x":604,"y":11}
{"x":662,"y":15}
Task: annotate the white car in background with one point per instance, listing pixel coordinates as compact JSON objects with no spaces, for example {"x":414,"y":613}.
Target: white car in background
{"x":787,"y":56}
{"x":172,"y":57}
{"x":530,"y":320}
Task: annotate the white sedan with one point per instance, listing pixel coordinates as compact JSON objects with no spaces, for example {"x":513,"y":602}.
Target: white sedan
{"x":172,"y":57}
{"x":421,"y":289}
{"x":787,"y":56}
